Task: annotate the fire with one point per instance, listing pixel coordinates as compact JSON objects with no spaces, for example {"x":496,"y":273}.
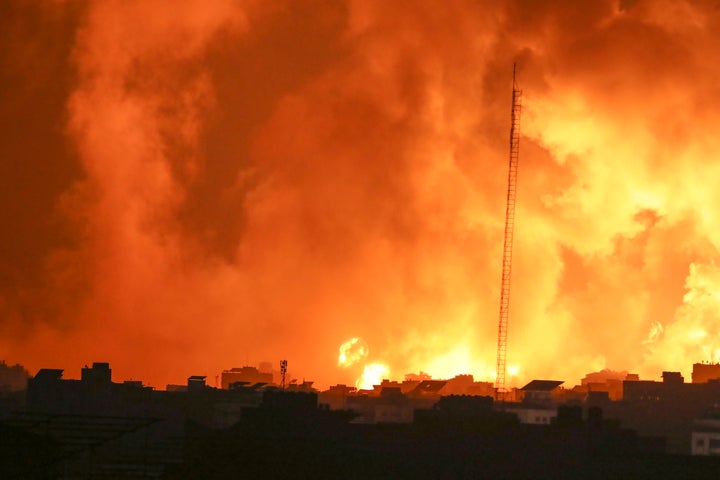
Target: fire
{"x":458,"y":360}
{"x":696,"y":335}
{"x":655,"y":333}
{"x":290,"y":167}
{"x":372,"y":374}
{"x":352,"y":352}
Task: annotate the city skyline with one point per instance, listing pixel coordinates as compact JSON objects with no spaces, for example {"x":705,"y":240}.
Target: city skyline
{"x":269,"y":375}
{"x":609,"y":426}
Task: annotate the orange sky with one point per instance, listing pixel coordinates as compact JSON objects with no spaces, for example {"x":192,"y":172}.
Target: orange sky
{"x":193,"y":186}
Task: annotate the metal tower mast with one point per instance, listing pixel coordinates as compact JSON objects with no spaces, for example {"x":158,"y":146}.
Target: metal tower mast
{"x":508,"y":240}
{"x":283,"y":372}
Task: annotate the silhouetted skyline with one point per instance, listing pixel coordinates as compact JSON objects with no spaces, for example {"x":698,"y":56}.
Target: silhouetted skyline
{"x":97,"y":427}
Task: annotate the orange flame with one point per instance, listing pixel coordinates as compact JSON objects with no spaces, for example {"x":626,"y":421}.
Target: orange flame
{"x":352,"y":352}
{"x":372,"y":374}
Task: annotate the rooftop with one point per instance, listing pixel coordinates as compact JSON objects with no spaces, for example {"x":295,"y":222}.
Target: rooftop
{"x":542,"y":385}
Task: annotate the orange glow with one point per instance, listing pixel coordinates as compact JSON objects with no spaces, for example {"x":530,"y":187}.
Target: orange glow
{"x":352,"y":352}
{"x":373,"y":374}
{"x":192,"y":188}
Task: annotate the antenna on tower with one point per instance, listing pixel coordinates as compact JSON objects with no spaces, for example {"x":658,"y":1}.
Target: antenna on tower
{"x":283,"y":371}
{"x":508,"y":239}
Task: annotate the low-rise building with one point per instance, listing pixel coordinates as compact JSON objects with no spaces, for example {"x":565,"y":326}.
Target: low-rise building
{"x":705,"y":372}
{"x":246,"y":375}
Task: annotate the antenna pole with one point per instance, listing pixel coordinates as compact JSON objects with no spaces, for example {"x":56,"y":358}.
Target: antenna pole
{"x":283,"y":372}
{"x":508,"y":240}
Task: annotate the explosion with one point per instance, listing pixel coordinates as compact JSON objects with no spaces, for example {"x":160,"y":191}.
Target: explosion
{"x":372,"y":374}
{"x":252,"y":181}
{"x":352,"y":352}
{"x":695,"y":331}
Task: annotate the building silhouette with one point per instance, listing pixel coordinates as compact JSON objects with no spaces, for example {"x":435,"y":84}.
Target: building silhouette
{"x":705,"y":372}
{"x":97,"y":428}
{"x":245,"y":376}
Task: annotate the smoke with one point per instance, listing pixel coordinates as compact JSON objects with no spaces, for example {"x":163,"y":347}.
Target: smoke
{"x":252,"y":181}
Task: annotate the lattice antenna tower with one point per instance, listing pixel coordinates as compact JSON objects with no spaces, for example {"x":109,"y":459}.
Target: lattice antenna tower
{"x":508,"y":239}
{"x":283,"y":372}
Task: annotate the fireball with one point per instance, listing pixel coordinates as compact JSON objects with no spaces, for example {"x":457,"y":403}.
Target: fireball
{"x":352,"y":352}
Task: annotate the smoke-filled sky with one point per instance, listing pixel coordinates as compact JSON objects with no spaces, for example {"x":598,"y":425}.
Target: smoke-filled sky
{"x":191,"y":186}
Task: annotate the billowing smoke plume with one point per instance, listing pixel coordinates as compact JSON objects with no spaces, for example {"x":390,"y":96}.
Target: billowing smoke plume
{"x":204,"y":185}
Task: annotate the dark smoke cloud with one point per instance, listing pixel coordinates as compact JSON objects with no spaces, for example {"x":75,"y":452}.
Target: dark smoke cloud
{"x":196,"y":187}
{"x":37,"y":163}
